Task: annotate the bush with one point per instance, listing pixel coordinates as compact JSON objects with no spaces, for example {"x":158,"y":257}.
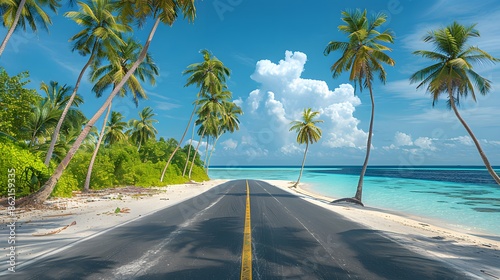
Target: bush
{"x":30,"y":172}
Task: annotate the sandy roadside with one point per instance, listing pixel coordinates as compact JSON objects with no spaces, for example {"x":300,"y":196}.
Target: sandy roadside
{"x":41,"y":233}
{"x":478,"y":255}
{"x":44,"y":232}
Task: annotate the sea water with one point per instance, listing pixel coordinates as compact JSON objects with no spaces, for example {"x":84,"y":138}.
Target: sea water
{"x":463,"y":197}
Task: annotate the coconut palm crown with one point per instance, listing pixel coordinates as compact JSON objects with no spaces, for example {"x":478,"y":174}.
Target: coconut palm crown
{"x":452,"y":72}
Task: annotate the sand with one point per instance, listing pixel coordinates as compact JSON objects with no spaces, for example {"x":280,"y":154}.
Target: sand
{"x":40,"y":233}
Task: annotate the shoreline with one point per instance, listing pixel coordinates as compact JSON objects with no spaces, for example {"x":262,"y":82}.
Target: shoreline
{"x":48,"y":231}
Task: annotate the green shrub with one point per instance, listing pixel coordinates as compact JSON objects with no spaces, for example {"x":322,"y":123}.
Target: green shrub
{"x":30,"y":172}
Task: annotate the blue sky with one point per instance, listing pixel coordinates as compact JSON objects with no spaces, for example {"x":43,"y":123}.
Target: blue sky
{"x":275,"y":52}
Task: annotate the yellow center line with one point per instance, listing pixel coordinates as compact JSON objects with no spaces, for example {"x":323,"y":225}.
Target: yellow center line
{"x":246,"y":255}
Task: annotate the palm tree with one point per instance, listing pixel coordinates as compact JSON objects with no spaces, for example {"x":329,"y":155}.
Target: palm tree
{"x":210,"y":76}
{"x":210,"y":112}
{"x":24,"y":13}
{"x":307,"y":132}
{"x":165,"y":11}
{"x":452,"y":73}
{"x":115,"y":129}
{"x":58,"y":96}
{"x":42,"y":121}
{"x":363,"y":55}
{"x":229,"y":123}
{"x":101,"y":30}
{"x":107,"y":75}
{"x":143,"y":129}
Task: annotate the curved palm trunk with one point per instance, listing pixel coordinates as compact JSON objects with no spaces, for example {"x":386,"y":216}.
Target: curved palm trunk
{"x":492,"y":172}
{"x":178,"y":145}
{"x":206,"y":153}
{"x":44,"y":192}
{"x":13,"y":27}
{"x":189,"y":153}
{"x":195,"y":152}
{"x":55,"y":134}
{"x":211,"y":152}
{"x":359,"y":190}
{"x":86,"y":186}
{"x":302,"y":168}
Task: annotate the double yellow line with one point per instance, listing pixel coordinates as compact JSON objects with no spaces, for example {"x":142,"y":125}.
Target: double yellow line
{"x":246,"y":255}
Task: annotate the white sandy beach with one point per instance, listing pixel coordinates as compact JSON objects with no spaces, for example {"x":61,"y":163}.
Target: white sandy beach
{"x":44,"y":232}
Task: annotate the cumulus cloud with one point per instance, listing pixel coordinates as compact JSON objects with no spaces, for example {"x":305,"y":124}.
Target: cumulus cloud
{"x":425,"y":143}
{"x":281,"y":98}
{"x":404,"y":142}
{"x":402,"y":139}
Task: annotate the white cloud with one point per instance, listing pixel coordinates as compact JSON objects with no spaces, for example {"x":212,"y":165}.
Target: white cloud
{"x":425,"y":143}
{"x":281,"y":98}
{"x":230,"y":144}
{"x":402,"y":139}
{"x":291,"y":149}
{"x":464,"y":140}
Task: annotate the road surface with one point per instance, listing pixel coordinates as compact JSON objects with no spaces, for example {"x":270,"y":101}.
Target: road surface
{"x":203,"y":238}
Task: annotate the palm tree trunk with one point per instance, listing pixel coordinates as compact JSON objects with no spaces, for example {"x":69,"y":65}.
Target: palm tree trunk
{"x":359,"y":190}
{"x":211,"y":152}
{"x":44,"y":192}
{"x":55,"y":134}
{"x":492,"y":172}
{"x":13,"y":27}
{"x":178,"y":145}
{"x":206,"y":153}
{"x":195,"y":152}
{"x":189,"y":152}
{"x":302,"y":168}
{"x":86,"y":185}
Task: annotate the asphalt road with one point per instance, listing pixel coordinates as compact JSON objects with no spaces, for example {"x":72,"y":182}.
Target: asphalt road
{"x":202,"y":238}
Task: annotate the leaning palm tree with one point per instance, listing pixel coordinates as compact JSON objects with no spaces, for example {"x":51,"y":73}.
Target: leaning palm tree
{"x":452,"y":73}
{"x":363,"y":56}
{"x":115,"y":131}
{"x":23,"y":13}
{"x":110,"y":74}
{"x":307,"y":132}
{"x":100,"y":30}
{"x":142,"y":130}
{"x":209,"y":76}
{"x":165,"y":11}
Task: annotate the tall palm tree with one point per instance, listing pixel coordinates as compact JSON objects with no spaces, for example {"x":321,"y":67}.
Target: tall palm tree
{"x":209,"y":76}
{"x":229,"y":123}
{"x":111,"y":74}
{"x":363,"y":56}
{"x":23,"y":13}
{"x":452,"y":74}
{"x":142,"y":130}
{"x":307,"y":132}
{"x":115,"y":131}
{"x":165,"y":11}
{"x":100,"y":30}
{"x":210,"y":113}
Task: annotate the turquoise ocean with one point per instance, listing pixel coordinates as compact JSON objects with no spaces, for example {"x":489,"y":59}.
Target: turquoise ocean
{"x":463,"y":197}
